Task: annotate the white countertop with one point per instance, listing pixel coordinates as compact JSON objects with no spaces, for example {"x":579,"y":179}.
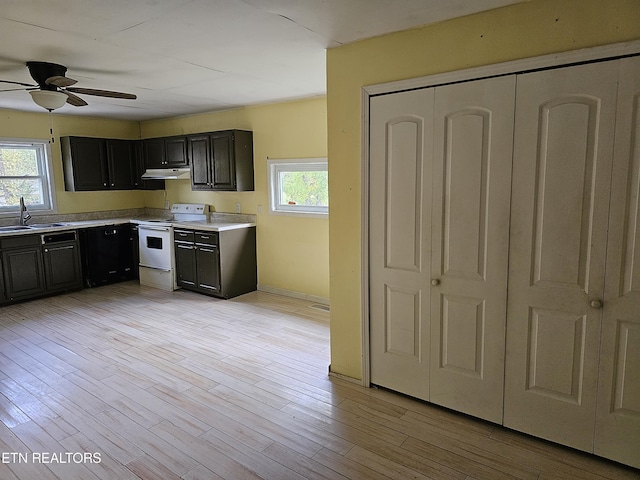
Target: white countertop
{"x":203,"y":225}
{"x":212,"y":226}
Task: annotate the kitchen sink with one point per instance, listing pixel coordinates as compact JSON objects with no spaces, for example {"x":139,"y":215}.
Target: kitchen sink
{"x":12,"y":228}
{"x":46,"y":225}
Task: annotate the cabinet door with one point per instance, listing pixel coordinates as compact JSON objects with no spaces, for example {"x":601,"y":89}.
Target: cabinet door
{"x":62,"y":266}
{"x":208,"y":261}
{"x":138,"y":155}
{"x":200,"y":155}
{"x":473,"y":141}
{"x":89,"y":164}
{"x":185,"y":264}
{"x":223,"y":161}
{"x":127,"y":267}
{"x":618,"y":412}
{"x":2,"y":291}
{"x":23,"y":272}
{"x":138,"y":181}
{"x":563,"y":147}
{"x":154,"y":155}
{"x":400,"y":241}
{"x":121,"y":162}
{"x":176,"y":152}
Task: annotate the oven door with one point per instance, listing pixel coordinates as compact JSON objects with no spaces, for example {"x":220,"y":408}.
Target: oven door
{"x":155,"y":247}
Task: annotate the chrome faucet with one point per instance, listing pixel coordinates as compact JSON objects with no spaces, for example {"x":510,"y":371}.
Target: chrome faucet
{"x":24,"y":214}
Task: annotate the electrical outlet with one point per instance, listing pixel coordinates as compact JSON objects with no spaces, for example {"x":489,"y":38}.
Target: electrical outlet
{"x":238,"y":209}
{"x":259,"y":209}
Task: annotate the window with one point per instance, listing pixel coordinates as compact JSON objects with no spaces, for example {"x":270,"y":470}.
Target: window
{"x":298,"y":187}
{"x":25,"y":171}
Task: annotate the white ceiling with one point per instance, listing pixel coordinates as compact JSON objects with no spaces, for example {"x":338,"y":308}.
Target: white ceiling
{"x":190,"y":56}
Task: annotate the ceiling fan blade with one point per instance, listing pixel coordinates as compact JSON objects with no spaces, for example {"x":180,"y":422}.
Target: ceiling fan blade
{"x":60,"y":81}
{"x":102,"y":93}
{"x":19,"y":89}
{"x":74,"y":99}
{"x":18,"y":83}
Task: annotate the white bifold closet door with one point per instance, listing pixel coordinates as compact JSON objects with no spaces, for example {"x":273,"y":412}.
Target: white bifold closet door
{"x":401,"y":126}
{"x":563,"y":149}
{"x":440,"y":176}
{"x":504,"y":251}
{"x":617,"y":434}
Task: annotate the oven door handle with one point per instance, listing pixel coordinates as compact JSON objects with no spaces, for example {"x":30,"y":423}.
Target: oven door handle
{"x":156,"y":229}
{"x":154,"y":268}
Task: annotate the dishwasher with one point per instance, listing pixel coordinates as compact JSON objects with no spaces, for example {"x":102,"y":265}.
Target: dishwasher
{"x":108,"y":254}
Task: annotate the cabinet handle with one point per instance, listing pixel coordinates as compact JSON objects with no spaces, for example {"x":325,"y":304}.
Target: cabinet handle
{"x":596,"y":303}
{"x":435,"y":282}
{"x":104,"y":184}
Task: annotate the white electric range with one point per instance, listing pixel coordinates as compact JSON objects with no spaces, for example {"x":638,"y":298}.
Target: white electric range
{"x":155,"y":241}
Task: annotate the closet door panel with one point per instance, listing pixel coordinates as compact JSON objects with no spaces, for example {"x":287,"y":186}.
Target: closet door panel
{"x":473,"y":139}
{"x":618,"y":412}
{"x":563,"y":146}
{"x":400,"y":172}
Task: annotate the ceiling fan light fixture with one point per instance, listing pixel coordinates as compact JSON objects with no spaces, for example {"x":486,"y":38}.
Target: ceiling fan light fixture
{"x":48,"y":99}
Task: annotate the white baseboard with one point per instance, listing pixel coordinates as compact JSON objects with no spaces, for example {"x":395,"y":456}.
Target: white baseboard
{"x":293,"y":294}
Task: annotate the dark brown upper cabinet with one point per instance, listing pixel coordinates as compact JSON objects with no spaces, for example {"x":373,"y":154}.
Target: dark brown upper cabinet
{"x":222,"y":161}
{"x":121,"y":164}
{"x":140,"y":167}
{"x":176,"y":152}
{"x":154,"y":154}
{"x":166,"y":152}
{"x":97,"y":164}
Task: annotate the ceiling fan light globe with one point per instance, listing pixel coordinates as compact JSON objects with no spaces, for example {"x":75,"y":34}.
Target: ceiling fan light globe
{"x":47,"y":99}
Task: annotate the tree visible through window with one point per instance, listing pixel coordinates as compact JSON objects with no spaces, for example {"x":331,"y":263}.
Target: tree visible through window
{"x":299,"y":186}
{"x":24,"y":173}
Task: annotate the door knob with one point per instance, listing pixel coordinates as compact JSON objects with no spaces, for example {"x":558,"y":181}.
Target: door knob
{"x":596,"y":303}
{"x":435,"y":282}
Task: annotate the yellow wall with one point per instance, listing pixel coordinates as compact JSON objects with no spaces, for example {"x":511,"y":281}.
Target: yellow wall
{"x":14,"y":124}
{"x":525,"y":30}
{"x":293,"y":252}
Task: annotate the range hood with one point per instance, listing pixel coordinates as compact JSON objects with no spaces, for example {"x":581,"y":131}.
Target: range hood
{"x":167,"y":174}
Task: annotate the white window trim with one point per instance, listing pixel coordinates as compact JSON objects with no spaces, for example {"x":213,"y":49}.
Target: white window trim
{"x":274,"y":166}
{"x":49,"y":190}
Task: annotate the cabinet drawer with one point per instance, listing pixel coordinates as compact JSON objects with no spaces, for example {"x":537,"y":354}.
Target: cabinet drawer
{"x":207,"y":238}
{"x":20,"y":241}
{"x":183,"y":236}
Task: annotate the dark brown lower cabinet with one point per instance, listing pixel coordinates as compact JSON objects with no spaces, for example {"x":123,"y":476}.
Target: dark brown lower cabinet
{"x":208,"y":266}
{"x":62,"y":269}
{"x":220,"y":264}
{"x":33,"y":266}
{"x":185,"y":254}
{"x":23,"y":271}
{"x":3,"y":297}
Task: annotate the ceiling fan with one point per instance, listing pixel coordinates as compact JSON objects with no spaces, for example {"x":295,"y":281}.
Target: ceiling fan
{"x":54,"y":89}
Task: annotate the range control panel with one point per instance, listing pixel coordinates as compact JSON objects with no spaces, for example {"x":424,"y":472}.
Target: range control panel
{"x":190,"y":208}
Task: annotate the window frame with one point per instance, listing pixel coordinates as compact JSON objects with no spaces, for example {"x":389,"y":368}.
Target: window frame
{"x":275,"y":167}
{"x":45,"y":166}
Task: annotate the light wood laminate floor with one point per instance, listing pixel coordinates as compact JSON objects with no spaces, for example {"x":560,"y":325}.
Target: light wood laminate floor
{"x":160,"y":385}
